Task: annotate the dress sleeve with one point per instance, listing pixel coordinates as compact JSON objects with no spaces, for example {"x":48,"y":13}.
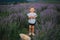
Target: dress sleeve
{"x":35,"y":15}
{"x":27,"y":14}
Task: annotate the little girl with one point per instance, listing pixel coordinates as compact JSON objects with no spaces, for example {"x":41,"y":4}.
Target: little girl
{"x":32,"y":20}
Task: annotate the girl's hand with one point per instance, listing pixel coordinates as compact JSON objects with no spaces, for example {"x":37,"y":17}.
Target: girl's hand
{"x":32,"y":17}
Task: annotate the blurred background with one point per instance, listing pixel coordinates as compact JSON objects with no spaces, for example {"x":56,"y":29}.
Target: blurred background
{"x":28,"y":1}
{"x":13,"y":19}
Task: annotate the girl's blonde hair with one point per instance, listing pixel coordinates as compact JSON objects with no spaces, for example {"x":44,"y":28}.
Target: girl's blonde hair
{"x":31,"y":7}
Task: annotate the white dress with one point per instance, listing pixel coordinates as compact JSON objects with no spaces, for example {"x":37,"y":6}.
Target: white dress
{"x":32,"y":21}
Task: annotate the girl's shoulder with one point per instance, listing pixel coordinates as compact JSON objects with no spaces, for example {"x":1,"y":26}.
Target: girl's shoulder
{"x":35,"y":13}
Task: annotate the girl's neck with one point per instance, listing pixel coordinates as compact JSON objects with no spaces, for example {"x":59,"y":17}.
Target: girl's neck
{"x":31,"y":12}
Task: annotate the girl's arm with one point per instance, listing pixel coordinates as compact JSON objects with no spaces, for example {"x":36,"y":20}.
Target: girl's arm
{"x":29,"y":17}
{"x":33,"y":17}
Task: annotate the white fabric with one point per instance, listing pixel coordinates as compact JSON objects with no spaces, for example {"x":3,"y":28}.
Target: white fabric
{"x":32,"y":21}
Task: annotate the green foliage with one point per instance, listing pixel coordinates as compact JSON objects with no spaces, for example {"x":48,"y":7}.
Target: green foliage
{"x":11,"y":30}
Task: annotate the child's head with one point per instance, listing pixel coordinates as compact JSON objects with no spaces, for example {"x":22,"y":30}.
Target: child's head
{"x":32,"y":9}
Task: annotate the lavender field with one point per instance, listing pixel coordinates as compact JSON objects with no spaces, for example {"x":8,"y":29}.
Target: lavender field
{"x":13,"y":21}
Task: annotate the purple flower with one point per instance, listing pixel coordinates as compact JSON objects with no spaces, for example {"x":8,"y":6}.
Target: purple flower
{"x":51,"y":6}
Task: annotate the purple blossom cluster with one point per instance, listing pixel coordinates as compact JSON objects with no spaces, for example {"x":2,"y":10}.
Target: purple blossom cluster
{"x":47,"y":14}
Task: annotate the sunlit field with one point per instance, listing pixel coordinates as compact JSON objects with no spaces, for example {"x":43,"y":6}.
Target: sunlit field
{"x":13,"y":21}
